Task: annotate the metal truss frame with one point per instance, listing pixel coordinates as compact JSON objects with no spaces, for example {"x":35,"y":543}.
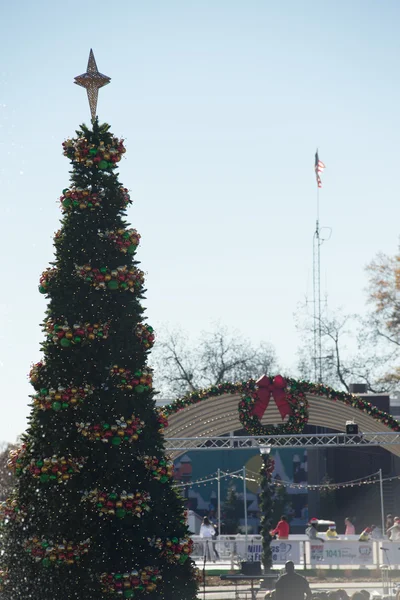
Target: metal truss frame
{"x":313,"y":440}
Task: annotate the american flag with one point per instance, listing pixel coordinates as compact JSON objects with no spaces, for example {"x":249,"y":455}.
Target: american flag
{"x":319,"y":167}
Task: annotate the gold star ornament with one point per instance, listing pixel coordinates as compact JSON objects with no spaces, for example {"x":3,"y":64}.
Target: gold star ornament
{"x":92,"y":80}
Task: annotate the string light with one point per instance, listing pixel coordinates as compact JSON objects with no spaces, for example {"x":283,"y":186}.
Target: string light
{"x":289,"y":484}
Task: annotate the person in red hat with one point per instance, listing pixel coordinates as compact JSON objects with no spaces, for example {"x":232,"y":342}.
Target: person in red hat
{"x":312,"y":530}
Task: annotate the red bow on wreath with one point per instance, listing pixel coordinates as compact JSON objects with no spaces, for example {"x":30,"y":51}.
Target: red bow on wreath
{"x":274,"y":388}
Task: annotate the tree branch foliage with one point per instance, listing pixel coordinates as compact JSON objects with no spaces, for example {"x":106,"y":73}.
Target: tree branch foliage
{"x":351,"y":351}
{"x":216,"y":357}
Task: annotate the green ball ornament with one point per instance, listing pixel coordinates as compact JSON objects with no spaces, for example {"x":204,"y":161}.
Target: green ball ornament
{"x":116,"y":441}
{"x":103,"y":164}
{"x":56,"y":406}
{"x":65,"y":342}
{"x":43,"y":392}
{"x":139,"y":389}
{"x":120,"y":513}
{"x":65,"y":190}
{"x":46,"y":562}
{"x":65,"y":405}
{"x":113,"y":285}
{"x":42,"y":289}
{"x":164,"y":479}
{"x":129,"y":594}
{"x":77,"y":339}
{"x":93,"y":151}
{"x":106,"y":426}
{"x":44,"y":478}
{"x":66,"y":202}
{"x":103,"y":270}
{"x":117,"y":576}
{"x":131,"y":249}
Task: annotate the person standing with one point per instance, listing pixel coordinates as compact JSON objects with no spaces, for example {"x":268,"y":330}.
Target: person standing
{"x":394,"y":531}
{"x":312,"y":531}
{"x":282,"y":529}
{"x":292,"y":586}
{"x":207,"y":532}
{"x":389,"y":522}
{"x":350,"y":529}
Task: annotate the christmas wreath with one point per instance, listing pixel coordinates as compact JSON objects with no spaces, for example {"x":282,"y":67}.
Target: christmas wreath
{"x":290,"y":400}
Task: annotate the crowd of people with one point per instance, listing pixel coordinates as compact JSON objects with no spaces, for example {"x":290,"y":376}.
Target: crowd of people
{"x":292,"y":586}
{"x":392,"y":530}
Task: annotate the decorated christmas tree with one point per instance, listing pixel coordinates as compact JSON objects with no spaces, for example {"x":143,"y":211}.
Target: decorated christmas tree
{"x":94,"y":513}
{"x":266,"y":506}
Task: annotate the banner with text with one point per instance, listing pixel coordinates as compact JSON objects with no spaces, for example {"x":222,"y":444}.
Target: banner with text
{"x":282,"y":551}
{"x":341,"y":552}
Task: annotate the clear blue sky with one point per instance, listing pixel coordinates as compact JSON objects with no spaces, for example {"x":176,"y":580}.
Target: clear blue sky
{"x":222,"y":104}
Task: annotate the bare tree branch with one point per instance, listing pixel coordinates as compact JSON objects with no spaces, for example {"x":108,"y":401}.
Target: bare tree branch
{"x":217,"y":356}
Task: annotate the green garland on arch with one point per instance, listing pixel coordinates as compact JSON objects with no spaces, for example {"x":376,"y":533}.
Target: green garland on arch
{"x":297,"y":392}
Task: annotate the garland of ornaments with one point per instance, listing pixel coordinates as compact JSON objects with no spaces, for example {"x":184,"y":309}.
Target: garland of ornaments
{"x":296,"y":391}
{"x":49,"y":553}
{"x":45,"y":279}
{"x":173,"y":550}
{"x":110,"y":504}
{"x":16,"y":459}
{"x":54,"y":469}
{"x":128,"y":584}
{"x":122,"y":431}
{"x":104,"y":156}
{"x":122,"y":278}
{"x":126,"y":240}
{"x":76,"y":199}
{"x":37,"y":370}
{"x":61,"y":397}
{"x":162,"y":421}
{"x":78,"y":334}
{"x":145,"y":333}
{"x":139,"y":381}
{"x":10,"y":511}
{"x":161,"y":469}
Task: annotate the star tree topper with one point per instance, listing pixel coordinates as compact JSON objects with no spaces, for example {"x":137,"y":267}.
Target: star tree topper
{"x":92,"y":80}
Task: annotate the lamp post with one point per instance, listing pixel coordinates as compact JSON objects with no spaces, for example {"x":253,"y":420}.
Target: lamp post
{"x":266,"y":505}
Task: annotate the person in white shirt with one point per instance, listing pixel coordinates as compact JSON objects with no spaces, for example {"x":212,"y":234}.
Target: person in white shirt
{"x":394,"y":532}
{"x":207,"y":531}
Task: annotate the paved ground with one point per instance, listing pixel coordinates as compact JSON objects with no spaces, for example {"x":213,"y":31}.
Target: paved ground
{"x":228,"y":592}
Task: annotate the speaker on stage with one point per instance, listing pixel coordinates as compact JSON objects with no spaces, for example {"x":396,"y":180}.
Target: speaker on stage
{"x":251,"y":568}
{"x":351,"y":428}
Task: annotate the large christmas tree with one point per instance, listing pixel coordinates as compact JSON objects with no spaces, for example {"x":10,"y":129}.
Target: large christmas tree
{"x":94,"y":513}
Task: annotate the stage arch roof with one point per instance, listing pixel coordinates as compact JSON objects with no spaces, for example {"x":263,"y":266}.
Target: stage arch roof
{"x":218,"y":416}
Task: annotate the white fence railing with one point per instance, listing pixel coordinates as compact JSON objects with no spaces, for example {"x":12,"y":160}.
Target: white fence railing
{"x":349,"y":553}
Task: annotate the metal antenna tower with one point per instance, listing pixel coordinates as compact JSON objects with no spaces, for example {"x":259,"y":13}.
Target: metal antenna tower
{"x":317,"y":298}
{"x":317,"y":243}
